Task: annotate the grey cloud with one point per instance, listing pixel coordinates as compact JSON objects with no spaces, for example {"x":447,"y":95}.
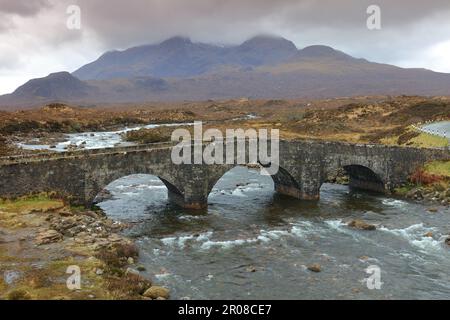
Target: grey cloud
{"x":23,"y":7}
{"x":139,"y":20}
{"x":408,"y":25}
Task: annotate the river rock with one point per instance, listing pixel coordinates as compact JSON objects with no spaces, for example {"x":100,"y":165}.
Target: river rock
{"x":141,"y":268}
{"x":251,"y":269}
{"x":131,"y":271}
{"x":361,"y":225}
{"x":91,"y":214}
{"x":156,"y":292}
{"x":315,"y":267}
{"x":49,"y":236}
{"x":364,"y":258}
{"x":447,"y":241}
{"x":103,"y":196}
{"x":416,"y":194}
{"x":115,"y":238}
{"x":65,"y":212}
{"x":63,"y":224}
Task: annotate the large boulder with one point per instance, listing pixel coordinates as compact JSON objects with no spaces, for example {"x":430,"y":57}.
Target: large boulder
{"x":156,"y":292}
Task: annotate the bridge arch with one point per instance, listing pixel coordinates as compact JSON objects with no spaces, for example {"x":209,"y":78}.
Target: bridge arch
{"x":100,"y":183}
{"x":240,"y":179}
{"x":361,"y":176}
{"x":284,"y":182}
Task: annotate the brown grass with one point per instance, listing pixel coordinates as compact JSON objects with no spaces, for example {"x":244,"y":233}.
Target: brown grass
{"x":377,"y":119}
{"x":421,"y":177}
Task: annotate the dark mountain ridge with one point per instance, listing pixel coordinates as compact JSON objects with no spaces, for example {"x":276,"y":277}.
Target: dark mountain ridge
{"x":261,"y":67}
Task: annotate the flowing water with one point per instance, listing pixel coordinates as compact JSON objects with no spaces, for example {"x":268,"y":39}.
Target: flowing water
{"x":254,"y":244}
{"x":92,"y":140}
{"x":104,"y":139}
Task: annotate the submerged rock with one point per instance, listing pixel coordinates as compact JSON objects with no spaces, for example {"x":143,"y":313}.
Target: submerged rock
{"x":251,"y":269}
{"x":361,"y":225}
{"x":315,"y":267}
{"x":447,"y":241}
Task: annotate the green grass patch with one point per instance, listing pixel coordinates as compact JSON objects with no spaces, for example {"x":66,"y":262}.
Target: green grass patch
{"x":426,"y":140}
{"x":36,"y":202}
{"x":404,"y":190}
{"x":440,"y":168}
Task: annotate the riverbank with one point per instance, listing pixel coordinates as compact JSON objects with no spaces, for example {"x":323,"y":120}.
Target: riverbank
{"x":42,"y":239}
{"x":430,"y":184}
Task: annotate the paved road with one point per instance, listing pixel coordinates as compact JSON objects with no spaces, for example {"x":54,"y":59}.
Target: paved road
{"x":438,"y":128}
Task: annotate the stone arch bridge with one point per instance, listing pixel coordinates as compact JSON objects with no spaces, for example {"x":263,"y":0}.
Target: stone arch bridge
{"x":304,"y":165}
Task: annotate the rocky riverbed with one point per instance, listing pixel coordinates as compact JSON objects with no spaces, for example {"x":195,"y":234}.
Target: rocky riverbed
{"x":42,"y":242}
{"x":429,"y":194}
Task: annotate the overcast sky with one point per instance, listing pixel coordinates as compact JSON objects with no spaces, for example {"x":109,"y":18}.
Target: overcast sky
{"x":35,"y":41}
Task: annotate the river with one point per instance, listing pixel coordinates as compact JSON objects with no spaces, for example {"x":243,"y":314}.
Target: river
{"x":254,"y":244}
{"x":103,"y":139}
{"x":92,"y":140}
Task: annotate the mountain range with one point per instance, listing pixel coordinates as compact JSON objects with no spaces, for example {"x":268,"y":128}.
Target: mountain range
{"x":261,"y":67}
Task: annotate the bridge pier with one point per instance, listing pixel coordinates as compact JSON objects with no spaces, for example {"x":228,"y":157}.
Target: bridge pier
{"x":299,"y":180}
{"x":295,"y":192}
{"x":195,"y":203}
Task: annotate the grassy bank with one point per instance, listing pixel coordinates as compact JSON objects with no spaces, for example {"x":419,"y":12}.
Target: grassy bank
{"x":40,"y":238}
